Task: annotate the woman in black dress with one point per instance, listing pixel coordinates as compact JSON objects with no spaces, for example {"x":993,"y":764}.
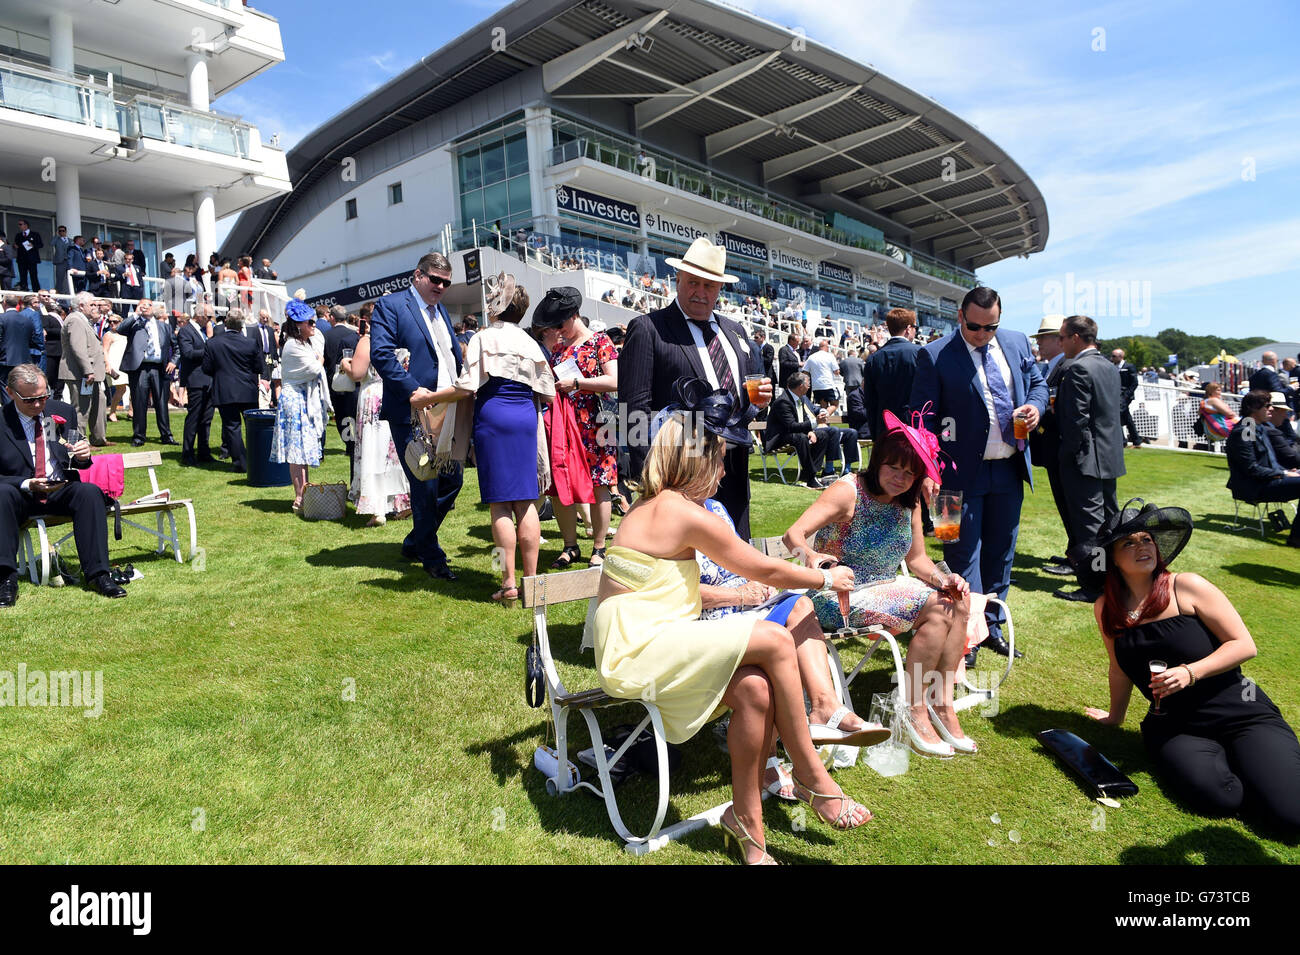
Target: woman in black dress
{"x":1213,"y":734}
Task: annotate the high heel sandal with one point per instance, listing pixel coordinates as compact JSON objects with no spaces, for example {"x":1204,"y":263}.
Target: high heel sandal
{"x":597,"y":558}
{"x":962,"y":744}
{"x":566,"y":558}
{"x":741,"y":837}
{"x":783,"y":786}
{"x":842,"y":821}
{"x":922,"y":747}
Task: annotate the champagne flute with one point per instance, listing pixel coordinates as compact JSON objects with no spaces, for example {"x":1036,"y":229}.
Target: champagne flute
{"x":1157,"y":666}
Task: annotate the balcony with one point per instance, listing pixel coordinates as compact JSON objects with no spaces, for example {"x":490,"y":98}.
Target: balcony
{"x":148,"y":118}
{"x":54,"y":95}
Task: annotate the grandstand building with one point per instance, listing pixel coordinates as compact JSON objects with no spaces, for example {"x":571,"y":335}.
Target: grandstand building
{"x":105,"y":125}
{"x":616,"y":131}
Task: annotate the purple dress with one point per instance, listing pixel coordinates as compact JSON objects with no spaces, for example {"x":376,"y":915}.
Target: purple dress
{"x":505,"y":441}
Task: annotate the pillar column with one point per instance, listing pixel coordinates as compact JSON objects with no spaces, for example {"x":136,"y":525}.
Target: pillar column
{"x":197,"y":69}
{"x":67,"y":198}
{"x":61,"y":56}
{"x":205,"y":226}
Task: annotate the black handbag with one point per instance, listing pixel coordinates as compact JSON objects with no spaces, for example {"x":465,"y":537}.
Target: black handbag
{"x":1087,"y":762}
{"x":534,"y":678}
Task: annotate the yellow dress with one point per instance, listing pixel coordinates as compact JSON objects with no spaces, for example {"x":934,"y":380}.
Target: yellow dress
{"x":651,"y":644}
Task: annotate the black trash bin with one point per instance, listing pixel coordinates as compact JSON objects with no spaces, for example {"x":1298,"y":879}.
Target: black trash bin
{"x":259,"y":431}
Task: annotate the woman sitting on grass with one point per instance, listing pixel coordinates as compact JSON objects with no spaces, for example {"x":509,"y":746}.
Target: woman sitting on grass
{"x":870,"y":522}
{"x":1214,"y":735}
{"x":650,"y":644}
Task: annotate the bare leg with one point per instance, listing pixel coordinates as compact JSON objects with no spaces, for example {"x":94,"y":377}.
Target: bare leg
{"x":600,"y":512}
{"x":929,"y":636}
{"x":953,"y":649}
{"x":566,"y":516}
{"x":749,"y":694}
{"x":503,"y":534}
{"x":772,"y":648}
{"x":298,"y":475}
{"x":814,"y":665}
{"x":529,"y":534}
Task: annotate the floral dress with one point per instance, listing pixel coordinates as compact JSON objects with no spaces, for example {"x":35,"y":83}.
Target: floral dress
{"x":379,"y":484}
{"x":592,"y":355}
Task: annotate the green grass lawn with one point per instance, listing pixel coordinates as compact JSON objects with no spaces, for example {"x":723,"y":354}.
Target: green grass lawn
{"x":303,"y":695}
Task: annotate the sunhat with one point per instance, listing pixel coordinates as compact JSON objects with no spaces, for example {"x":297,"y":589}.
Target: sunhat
{"x":706,"y":260}
{"x":1169,"y":527}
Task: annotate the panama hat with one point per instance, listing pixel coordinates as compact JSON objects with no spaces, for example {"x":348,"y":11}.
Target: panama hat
{"x":1278,"y":400}
{"x":1050,"y":325}
{"x":706,"y":260}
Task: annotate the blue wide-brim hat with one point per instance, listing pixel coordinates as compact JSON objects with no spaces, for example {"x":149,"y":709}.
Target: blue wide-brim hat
{"x":714,"y":412}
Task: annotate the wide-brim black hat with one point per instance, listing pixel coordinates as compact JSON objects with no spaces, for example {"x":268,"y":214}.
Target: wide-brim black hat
{"x":714,"y":412}
{"x":557,"y":306}
{"x":1169,"y":527}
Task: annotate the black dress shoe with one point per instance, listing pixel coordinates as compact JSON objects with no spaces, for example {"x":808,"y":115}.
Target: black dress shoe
{"x":409,"y":555}
{"x":137,"y":442}
{"x":970,"y":659}
{"x":1058,"y":559}
{"x":205,"y":459}
{"x":441,"y":572}
{"x":168,"y":440}
{"x":9,"y":592}
{"x":1059,"y":570}
{"x":1080,"y":595}
{"x":998,"y":645}
{"x":187,"y":462}
{"x":103,"y":584}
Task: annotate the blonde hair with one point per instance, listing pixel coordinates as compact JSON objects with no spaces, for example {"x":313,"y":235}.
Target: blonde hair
{"x":682,"y":459}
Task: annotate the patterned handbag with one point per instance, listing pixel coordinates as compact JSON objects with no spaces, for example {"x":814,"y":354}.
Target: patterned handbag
{"x":324,"y":502}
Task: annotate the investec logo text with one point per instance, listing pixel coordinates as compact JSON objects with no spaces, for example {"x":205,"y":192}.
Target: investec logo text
{"x":655,"y":222}
{"x":599,"y":207}
{"x":742,"y":246}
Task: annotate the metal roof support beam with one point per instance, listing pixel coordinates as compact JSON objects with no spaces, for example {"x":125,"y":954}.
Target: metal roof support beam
{"x":848,"y":180}
{"x":936,"y":229}
{"x":955,"y":242}
{"x":791,"y":163}
{"x":910,"y":216}
{"x":724,"y":141}
{"x":1025,"y":243}
{"x":651,"y":111}
{"x":573,"y":64}
{"x":880,"y":200}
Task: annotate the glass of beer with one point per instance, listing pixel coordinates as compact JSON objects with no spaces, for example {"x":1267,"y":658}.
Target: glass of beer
{"x":752,"y":384}
{"x":1157,"y":666}
{"x":1020,"y":424}
{"x":945,"y":512}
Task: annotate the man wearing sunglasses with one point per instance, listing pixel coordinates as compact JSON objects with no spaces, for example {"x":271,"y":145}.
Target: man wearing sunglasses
{"x":416,"y":321}
{"x":971,"y":385}
{"x":38,"y":476}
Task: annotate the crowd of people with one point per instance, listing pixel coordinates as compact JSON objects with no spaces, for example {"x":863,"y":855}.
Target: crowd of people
{"x":687,"y":607}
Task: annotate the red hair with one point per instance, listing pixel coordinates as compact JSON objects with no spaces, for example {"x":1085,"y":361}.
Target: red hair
{"x":1114,"y":618}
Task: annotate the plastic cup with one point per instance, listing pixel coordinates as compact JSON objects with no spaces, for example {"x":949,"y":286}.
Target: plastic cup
{"x":752,"y":385}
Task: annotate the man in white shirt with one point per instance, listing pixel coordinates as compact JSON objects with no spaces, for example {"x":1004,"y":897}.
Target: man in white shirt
{"x":823,"y":369}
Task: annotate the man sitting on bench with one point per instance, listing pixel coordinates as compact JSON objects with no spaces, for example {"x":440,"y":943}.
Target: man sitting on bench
{"x":38,"y":476}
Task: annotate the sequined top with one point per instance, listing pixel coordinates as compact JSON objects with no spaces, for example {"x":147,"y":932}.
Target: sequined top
{"x":874,"y":540}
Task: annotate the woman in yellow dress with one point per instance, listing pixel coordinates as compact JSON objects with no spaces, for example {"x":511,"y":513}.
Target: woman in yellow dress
{"x":650,"y":644}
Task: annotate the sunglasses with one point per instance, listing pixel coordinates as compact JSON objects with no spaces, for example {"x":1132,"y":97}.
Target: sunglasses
{"x":33,"y":399}
{"x":982,"y":328}
{"x":437,"y":280}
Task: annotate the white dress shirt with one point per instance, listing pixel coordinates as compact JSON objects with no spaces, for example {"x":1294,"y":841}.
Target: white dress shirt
{"x":441,"y":342}
{"x":710,"y":373}
{"x":996,"y":448}
{"x":32,"y":429}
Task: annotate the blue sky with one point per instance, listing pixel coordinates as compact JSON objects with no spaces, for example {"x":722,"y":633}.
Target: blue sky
{"x":1165,"y":136}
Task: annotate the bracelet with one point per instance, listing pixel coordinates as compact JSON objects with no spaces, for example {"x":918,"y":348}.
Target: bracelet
{"x":1190,"y":674}
{"x":826,"y":579}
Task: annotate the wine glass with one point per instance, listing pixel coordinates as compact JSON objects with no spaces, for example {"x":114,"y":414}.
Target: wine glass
{"x":1157,"y":666}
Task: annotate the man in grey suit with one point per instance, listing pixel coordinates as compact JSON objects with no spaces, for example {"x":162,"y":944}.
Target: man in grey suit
{"x":62,"y":244}
{"x":147,"y":363}
{"x":83,"y":367}
{"x":1092,"y":441}
{"x":174,"y":292}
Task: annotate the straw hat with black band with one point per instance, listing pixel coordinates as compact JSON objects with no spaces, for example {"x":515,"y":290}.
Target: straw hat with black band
{"x":1169,"y":527}
{"x":706,"y":260}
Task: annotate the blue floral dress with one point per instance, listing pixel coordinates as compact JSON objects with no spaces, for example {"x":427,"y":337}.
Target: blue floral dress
{"x":873,"y":543}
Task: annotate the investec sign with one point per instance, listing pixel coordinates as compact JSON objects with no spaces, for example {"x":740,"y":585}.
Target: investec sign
{"x":739,"y":245}
{"x":580,"y":202}
{"x":836,"y":273}
{"x":683,"y":229}
{"x":784,"y":259}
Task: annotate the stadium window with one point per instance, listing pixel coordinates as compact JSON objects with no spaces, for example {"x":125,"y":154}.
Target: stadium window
{"x":394,"y":193}
{"x":350,"y":209}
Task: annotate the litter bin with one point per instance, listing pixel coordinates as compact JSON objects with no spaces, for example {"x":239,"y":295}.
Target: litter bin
{"x":259,"y":431}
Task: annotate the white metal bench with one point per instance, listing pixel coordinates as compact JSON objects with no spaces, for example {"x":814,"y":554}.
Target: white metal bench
{"x":547,"y":590}
{"x":973,"y":696}
{"x":34,"y":560}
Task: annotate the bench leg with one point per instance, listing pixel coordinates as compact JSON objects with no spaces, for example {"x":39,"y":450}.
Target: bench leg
{"x":162,"y":538}
{"x":194,"y":531}
{"x":173,"y":539}
{"x":45,"y":552}
{"x":977,"y":695}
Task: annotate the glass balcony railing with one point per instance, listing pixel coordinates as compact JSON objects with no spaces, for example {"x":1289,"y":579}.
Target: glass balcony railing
{"x":610,"y":150}
{"x":42,"y":93}
{"x":152,"y":119}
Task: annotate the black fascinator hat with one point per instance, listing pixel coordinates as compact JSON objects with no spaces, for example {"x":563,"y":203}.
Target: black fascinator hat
{"x":714,"y":412}
{"x":1169,"y":527}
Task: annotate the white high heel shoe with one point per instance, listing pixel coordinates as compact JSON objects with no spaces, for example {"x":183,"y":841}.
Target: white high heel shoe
{"x":920,"y":746}
{"x":963,"y":745}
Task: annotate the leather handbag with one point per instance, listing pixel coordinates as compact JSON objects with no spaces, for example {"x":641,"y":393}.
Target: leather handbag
{"x":1086,"y":761}
{"x":324,"y":502}
{"x":426,"y":428}
{"x":342,"y":382}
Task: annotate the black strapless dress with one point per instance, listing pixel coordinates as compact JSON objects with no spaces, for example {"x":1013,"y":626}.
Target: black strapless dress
{"x":1220,"y":742}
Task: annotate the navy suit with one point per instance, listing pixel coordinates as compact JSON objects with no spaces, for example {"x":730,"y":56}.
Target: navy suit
{"x":948,"y":379}
{"x":398,"y":323}
{"x":235,"y":362}
{"x":1254,"y":472}
{"x":887,"y":382}
{"x":197,"y":383}
{"x":18,"y":341}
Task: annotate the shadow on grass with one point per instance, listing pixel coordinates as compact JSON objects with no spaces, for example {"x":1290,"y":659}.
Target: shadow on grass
{"x":1122,"y":747}
{"x":1027,"y":575}
{"x":1212,"y":844}
{"x":1265,"y":574}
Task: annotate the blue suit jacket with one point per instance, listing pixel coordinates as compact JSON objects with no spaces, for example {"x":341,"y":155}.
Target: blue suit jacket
{"x":946,"y":377}
{"x":397,"y":323}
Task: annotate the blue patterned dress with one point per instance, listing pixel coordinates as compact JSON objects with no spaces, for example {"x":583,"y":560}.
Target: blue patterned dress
{"x":873,"y":543}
